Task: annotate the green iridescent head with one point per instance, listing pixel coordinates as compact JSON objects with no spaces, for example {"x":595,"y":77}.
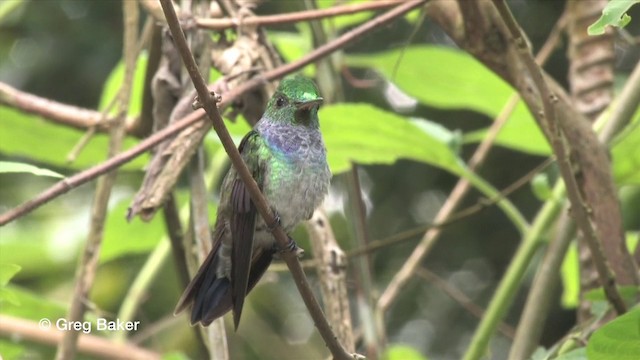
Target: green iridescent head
{"x":295,"y":101}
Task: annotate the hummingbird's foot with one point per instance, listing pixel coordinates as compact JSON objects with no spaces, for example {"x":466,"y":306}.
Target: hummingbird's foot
{"x":197,"y":104}
{"x":276,"y":221}
{"x":291,"y":247}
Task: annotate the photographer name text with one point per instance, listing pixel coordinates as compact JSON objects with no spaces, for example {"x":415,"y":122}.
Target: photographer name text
{"x":87,"y":327}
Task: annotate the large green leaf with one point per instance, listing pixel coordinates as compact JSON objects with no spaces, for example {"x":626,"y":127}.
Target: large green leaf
{"x":28,"y":136}
{"x":619,"y":339}
{"x":7,"y":271}
{"x":626,"y":156}
{"x":451,"y":79}
{"x":441,"y":77}
{"x":517,"y":134}
{"x":123,"y":238}
{"x":126,"y":238}
{"x":32,"y":306}
{"x":367,"y":135}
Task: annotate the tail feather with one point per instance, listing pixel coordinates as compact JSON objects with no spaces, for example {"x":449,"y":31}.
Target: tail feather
{"x":211,"y":295}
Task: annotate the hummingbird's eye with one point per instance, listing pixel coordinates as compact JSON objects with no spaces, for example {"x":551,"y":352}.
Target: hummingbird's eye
{"x":280,"y":102}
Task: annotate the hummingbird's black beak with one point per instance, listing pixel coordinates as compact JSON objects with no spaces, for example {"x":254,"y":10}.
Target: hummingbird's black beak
{"x":309,"y":104}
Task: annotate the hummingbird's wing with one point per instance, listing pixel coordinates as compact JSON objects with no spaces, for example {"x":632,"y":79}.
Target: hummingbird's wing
{"x":243,"y":220}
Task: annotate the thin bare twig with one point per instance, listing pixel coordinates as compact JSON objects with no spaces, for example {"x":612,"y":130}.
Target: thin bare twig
{"x":89,"y":261}
{"x":87,"y":344}
{"x":462,"y":299}
{"x":226,"y":23}
{"x":482,"y":204}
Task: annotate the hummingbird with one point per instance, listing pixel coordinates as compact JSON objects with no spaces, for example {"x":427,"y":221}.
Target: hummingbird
{"x":286,"y":156}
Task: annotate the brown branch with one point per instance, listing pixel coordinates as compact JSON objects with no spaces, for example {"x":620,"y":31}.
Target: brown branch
{"x":89,"y":263}
{"x":226,"y":23}
{"x":57,"y":112}
{"x":87,"y":344}
{"x":209,"y":104}
{"x":580,"y":208}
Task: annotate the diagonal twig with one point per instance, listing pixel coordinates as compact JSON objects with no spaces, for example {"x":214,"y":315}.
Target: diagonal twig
{"x":209,"y":104}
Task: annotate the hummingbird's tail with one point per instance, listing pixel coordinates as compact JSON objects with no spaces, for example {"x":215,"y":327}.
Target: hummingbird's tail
{"x":210,"y":295}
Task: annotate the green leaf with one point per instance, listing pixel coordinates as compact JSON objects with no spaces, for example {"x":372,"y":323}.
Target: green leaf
{"x":614,"y":14}
{"x":619,"y":339}
{"x":626,"y":156}
{"x":367,"y":135}
{"x":13,"y":167}
{"x":125,"y":238}
{"x":26,"y":135}
{"x":31,"y":306}
{"x":402,"y":352}
{"x":516,"y":134}
{"x":114,"y":83}
{"x":628,"y":293}
{"x":7,"y":271}
{"x":452,"y":79}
